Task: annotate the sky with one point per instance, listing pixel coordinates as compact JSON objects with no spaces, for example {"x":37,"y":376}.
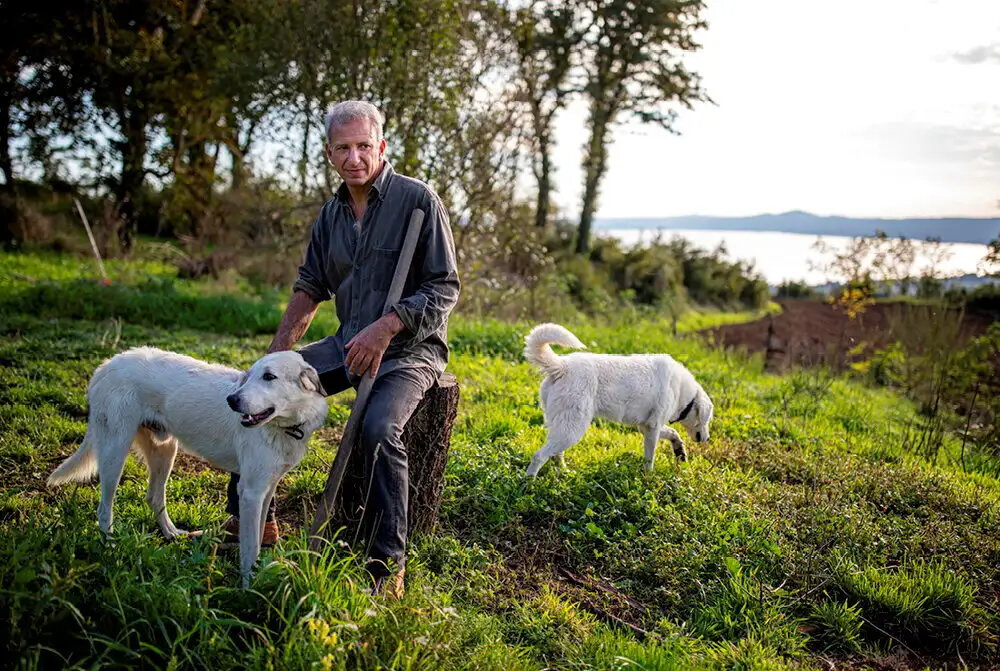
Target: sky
{"x":865,"y":108}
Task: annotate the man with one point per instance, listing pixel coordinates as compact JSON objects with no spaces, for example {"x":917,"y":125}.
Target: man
{"x":351,"y":256}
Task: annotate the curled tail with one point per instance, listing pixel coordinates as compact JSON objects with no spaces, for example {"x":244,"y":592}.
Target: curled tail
{"x":538,"y":352}
{"x":80,"y":466}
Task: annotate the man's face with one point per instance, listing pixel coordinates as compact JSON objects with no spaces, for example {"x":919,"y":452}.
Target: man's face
{"x":355,"y":152}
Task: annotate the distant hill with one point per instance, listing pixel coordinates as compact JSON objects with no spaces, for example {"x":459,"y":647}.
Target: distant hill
{"x":956,"y":229}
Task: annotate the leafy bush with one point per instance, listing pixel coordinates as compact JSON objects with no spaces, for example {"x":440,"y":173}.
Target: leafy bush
{"x":794,"y":289}
{"x":984,"y":298}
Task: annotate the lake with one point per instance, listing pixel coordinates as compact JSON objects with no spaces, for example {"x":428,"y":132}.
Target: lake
{"x":786,"y":256}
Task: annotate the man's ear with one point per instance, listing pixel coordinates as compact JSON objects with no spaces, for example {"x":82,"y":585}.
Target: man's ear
{"x":309,"y":379}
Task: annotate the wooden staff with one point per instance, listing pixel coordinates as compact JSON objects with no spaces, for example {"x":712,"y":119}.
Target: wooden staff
{"x":325,"y":508}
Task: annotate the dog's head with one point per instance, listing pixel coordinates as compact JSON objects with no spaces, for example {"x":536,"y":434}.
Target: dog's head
{"x":281,"y":386}
{"x":697,"y":420}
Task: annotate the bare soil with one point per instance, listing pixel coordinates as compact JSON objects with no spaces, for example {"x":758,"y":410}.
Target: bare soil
{"x":810,"y":332}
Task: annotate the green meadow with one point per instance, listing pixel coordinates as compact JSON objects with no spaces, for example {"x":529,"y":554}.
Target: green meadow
{"x":803,"y":536}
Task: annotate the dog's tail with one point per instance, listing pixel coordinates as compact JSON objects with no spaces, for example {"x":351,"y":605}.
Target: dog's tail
{"x":538,"y":352}
{"x":80,"y":466}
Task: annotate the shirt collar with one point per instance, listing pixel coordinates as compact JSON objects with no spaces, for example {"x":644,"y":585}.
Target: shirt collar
{"x":379,"y":186}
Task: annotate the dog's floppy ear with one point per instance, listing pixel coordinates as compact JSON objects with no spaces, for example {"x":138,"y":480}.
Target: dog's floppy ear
{"x":309,"y":379}
{"x":244,"y":376}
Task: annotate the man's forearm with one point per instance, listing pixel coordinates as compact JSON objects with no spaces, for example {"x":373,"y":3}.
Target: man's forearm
{"x":298,"y":315}
{"x":393,"y":323}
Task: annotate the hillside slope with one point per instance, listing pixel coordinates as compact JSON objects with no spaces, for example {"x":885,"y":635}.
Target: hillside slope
{"x":802,"y":535}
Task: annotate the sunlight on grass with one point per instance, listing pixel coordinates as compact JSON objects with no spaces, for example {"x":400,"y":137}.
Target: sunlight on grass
{"x":804,"y":528}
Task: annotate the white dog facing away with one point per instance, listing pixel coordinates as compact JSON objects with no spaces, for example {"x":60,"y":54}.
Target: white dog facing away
{"x":647,"y":391}
{"x":255,"y":423}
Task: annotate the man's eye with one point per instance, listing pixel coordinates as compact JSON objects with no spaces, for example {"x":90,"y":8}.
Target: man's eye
{"x":267,"y":377}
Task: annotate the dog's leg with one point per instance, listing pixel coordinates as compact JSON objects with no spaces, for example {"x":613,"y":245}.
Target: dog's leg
{"x":252,"y":492}
{"x":650,"y":437}
{"x":111,"y":454}
{"x":265,"y":504}
{"x":159,"y":457}
{"x":564,"y":433}
{"x":667,"y":433}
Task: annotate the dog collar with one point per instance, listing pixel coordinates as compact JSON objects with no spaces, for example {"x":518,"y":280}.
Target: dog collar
{"x":686,"y":411}
{"x":295,"y":432}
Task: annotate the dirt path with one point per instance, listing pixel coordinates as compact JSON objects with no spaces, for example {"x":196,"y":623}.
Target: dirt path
{"x":810,"y":332}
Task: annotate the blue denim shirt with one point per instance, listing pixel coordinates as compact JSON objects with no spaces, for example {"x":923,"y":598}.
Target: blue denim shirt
{"x":353,"y":262}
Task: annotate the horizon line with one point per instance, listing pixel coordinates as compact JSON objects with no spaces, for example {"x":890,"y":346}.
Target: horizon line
{"x":810,"y":214}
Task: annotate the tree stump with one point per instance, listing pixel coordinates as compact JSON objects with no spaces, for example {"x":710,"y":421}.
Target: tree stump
{"x":427,"y":437}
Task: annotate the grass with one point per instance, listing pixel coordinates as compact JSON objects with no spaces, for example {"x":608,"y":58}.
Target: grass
{"x":803,"y":532}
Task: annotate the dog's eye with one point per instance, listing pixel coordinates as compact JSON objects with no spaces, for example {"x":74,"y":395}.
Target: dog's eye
{"x":267,"y":377}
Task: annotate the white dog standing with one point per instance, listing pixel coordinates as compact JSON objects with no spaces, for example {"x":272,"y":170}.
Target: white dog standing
{"x":256,"y":424}
{"x":648,"y":391}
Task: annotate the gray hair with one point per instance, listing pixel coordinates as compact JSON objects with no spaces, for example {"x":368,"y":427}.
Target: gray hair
{"x":352,"y":110}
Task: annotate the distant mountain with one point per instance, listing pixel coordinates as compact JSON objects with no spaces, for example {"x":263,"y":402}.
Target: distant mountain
{"x":956,"y":229}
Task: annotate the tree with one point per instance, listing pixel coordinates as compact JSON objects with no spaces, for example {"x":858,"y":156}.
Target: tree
{"x":547,"y":35}
{"x":37,"y":98}
{"x":991,"y":262}
{"x":633,"y":66}
{"x":419,"y":62}
{"x":226,"y":61}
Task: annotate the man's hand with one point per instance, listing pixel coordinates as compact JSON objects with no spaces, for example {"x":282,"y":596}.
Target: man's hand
{"x":365,"y":350}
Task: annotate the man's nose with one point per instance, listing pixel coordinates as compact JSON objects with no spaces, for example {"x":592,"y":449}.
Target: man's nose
{"x":234,"y":402}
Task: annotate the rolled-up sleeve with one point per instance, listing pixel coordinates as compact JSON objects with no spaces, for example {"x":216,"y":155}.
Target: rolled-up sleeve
{"x":312,"y":277}
{"x":426,"y":311}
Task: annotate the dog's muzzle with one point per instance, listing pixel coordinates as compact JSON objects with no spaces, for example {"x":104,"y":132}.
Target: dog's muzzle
{"x":247,"y":419}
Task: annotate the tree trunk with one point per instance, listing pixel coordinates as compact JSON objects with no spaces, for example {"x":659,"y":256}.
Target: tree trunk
{"x":6,"y":164}
{"x":238,"y":171}
{"x":544,"y":183}
{"x":304,"y":153}
{"x":427,"y":437}
{"x":594,"y":165}
{"x":8,"y":199}
{"x":133,"y":153}
{"x":198,"y":180}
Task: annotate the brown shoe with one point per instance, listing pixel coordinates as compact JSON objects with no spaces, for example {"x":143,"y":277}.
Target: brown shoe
{"x":231,"y":532}
{"x":391,"y":586}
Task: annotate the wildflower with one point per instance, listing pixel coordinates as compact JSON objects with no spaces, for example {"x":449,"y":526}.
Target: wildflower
{"x":321,"y":630}
{"x":327,"y":662}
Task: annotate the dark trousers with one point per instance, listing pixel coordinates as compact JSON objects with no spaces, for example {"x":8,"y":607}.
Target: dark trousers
{"x":394,"y":397}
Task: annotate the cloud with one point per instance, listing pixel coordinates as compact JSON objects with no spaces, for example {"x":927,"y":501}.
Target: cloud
{"x":973,"y":150}
{"x":981,"y":54}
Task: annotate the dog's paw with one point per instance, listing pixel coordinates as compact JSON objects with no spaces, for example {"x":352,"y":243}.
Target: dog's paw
{"x":172,"y":533}
{"x":679,"y":451}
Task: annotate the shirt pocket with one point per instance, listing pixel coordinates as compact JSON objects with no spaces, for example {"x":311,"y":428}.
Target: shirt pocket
{"x":382,"y":268}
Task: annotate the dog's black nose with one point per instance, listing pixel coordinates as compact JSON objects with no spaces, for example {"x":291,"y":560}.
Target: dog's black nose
{"x":234,"y":402}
